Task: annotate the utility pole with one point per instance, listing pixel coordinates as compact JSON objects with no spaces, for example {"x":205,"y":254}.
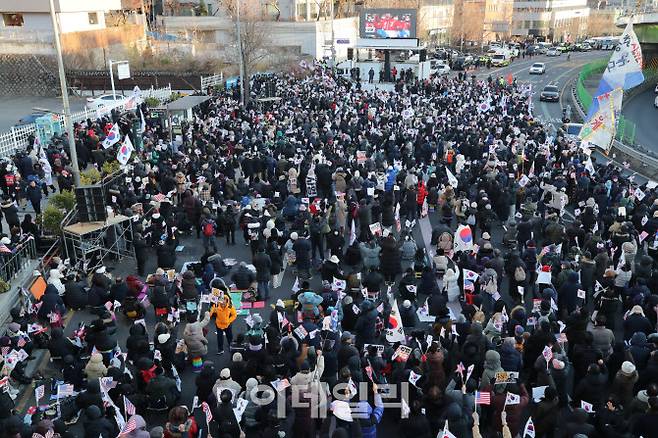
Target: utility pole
{"x":241,"y":58}
{"x":333,"y":39}
{"x":68,"y":123}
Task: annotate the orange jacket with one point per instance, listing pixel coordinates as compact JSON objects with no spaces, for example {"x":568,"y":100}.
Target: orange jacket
{"x":224,"y":315}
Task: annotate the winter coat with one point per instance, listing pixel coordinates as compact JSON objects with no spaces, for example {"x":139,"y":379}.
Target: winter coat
{"x":390,"y":260}
{"x":195,"y":340}
{"x":263,"y":265}
{"x":243,"y":277}
{"x":434,"y":368}
{"x":510,"y":357}
{"x":75,"y":295}
{"x":189,"y":287}
{"x":365,"y":324}
{"x":51,"y":302}
{"x":163,"y":388}
{"x":95,"y":367}
{"x":568,"y":293}
{"x":603,"y":340}
{"x":514,"y":412}
{"x":224,"y":315}
{"x":636,"y":323}
{"x":55,"y":278}
{"x":302,"y":248}
{"x":137,"y":343}
{"x":407,"y":254}
{"x":451,"y":284}
{"x":96,"y":425}
{"x":370,"y":255}
{"x":491,"y":367}
{"x":622,"y":387}
{"x":140,"y":428}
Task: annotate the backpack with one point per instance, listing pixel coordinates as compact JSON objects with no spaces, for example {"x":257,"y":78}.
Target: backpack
{"x":519,"y":274}
{"x":209,"y":228}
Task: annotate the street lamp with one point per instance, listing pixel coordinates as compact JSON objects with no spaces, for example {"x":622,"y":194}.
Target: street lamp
{"x":122,"y":74}
{"x":68,"y":123}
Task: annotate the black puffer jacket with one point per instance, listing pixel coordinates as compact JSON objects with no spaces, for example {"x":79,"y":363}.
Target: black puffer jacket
{"x":51,"y":302}
{"x":365,"y":324}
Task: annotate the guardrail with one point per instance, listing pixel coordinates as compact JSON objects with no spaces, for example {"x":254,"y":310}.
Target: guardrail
{"x":16,"y":138}
{"x":19,"y":258}
{"x":633,"y":152}
{"x":625,"y":128}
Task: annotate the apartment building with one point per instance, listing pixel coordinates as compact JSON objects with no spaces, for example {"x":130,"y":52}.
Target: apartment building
{"x":550,"y":20}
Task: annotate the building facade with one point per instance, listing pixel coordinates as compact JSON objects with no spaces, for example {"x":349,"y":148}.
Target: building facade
{"x":73,"y":15}
{"x":550,"y":20}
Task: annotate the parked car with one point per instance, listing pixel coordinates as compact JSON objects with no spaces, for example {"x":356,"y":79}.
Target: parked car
{"x":538,"y":68}
{"x":500,"y":60}
{"x":655,"y":90}
{"x":550,"y":93}
{"x":439,"y":68}
{"x":553,"y":51}
{"x":93,"y":103}
{"x":655,"y":102}
{"x":460,"y":63}
{"x":31,"y":118}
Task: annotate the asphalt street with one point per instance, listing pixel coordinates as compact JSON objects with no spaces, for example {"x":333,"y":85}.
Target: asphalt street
{"x":559,"y":71}
{"x":640,"y":110}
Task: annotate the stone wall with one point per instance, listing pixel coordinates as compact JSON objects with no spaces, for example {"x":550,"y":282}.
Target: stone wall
{"x":29,"y":75}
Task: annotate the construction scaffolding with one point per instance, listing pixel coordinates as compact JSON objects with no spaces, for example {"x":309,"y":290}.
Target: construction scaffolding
{"x":88,"y":244}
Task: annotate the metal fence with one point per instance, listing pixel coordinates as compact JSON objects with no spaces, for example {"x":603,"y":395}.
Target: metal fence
{"x":16,"y":138}
{"x":625,"y":128}
{"x":211,"y":81}
{"x":13,"y":263}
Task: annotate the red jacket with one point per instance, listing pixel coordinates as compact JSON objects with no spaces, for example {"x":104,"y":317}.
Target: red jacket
{"x":422,"y":193}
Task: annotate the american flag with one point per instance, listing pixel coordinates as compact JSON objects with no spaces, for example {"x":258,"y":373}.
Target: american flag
{"x":206,"y":410}
{"x":4,"y":249}
{"x":5,"y":350}
{"x":65,"y":390}
{"x":159,"y":197}
{"x":460,"y":368}
{"x":482,"y":398}
{"x":129,"y":407}
{"x":21,"y":342}
{"x":130,"y":426}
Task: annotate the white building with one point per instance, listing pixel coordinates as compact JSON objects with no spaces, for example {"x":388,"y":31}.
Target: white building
{"x":73,"y":15}
{"x":553,"y":20}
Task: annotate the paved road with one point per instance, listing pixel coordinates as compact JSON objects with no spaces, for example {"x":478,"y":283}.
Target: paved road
{"x":640,"y":110}
{"x":559,"y":72}
{"x":13,"y":108}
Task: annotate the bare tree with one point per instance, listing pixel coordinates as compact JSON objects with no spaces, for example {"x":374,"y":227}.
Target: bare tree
{"x":253,"y":35}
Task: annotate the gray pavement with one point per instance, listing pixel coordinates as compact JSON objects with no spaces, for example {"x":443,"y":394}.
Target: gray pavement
{"x":640,"y":110}
{"x":13,"y":108}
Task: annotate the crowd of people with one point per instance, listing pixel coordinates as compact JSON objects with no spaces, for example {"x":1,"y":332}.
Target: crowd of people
{"x":458,"y":270}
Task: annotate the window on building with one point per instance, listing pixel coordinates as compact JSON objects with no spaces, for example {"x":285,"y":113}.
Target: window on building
{"x":93,"y":17}
{"x":15,"y":20}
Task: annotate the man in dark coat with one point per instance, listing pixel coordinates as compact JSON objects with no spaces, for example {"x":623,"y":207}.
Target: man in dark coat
{"x":263,"y":265}
{"x":75,"y":295}
{"x":365,"y":325}
{"x":302,"y":248}
{"x":51,"y":302}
